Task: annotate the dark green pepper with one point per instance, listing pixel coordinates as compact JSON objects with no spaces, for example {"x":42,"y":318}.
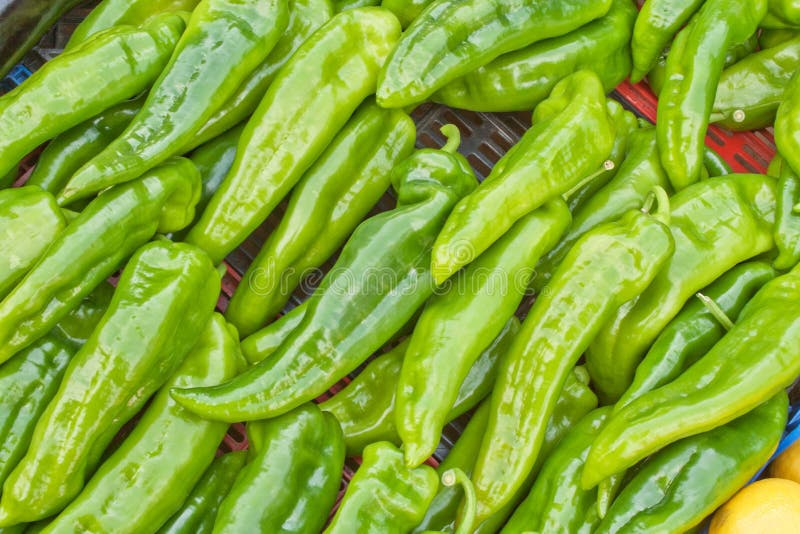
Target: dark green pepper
{"x":303,"y":449}
{"x":787,"y":11}
{"x":787,"y":221}
{"x":164,"y":299}
{"x":267,"y":340}
{"x":406,"y":11}
{"x":769,"y":38}
{"x":715,"y":165}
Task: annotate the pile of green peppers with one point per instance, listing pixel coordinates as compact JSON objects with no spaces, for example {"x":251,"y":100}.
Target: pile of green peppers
{"x":600,"y":336}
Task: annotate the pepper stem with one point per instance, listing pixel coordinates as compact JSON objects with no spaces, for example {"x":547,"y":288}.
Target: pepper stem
{"x":608,"y":165}
{"x":451,"y":477}
{"x":453,"y":135}
{"x":661,"y":199}
{"x":716,"y":311}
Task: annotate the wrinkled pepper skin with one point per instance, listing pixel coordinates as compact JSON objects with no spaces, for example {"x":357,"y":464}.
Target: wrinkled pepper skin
{"x":167,"y":452}
{"x":406,"y":11}
{"x":93,"y":246}
{"x":685,"y":482}
{"x":451,"y":38}
{"x":199,"y":511}
{"x":331,"y":199}
{"x":520,"y":80}
{"x":716,"y":224}
{"x":132,"y":58}
{"x":384,"y":495}
{"x":258,"y":346}
{"x":309,"y":101}
{"x":751,"y":90}
{"x":787,"y":222}
{"x":457,"y":324}
{"x":224,"y":42}
{"x":29,"y":380}
{"x":695,"y":330}
{"x":754,"y":361}
{"x":787,"y":125}
{"x":557,"y":502}
{"x":164,"y":299}
{"x":608,"y":266}
{"x":694,"y":67}
{"x":304,"y":448}
{"x":29,"y":221}
{"x":352,"y":314}
{"x":549,"y":160}
{"x":70,"y":150}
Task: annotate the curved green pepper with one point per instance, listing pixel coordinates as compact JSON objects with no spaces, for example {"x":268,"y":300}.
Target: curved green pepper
{"x":753,"y":362}
{"x":167,"y":452}
{"x":331,"y":199}
{"x":607,"y":267}
{"x":224,"y":42}
{"x":693,"y":70}
{"x":457,"y":324}
{"x":384,"y":495}
{"x":716,"y":224}
{"x":787,"y":11}
{"x":304,"y":448}
{"x":213,"y":161}
{"x":287,"y":133}
{"x":451,"y":38}
{"x":71,"y":88}
{"x":787,"y":125}
{"x":93,"y":246}
{"x":769,"y":38}
{"x":199,"y":511}
{"x":715,"y":165}
{"x":406,"y":11}
{"x":682,"y":484}
{"x":164,"y":299}
{"x":787,"y":221}
{"x":549,"y":160}
{"x":521,"y":79}
{"x":258,"y":346}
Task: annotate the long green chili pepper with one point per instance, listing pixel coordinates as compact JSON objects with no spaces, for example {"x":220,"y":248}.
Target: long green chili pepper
{"x":769,"y":38}
{"x":785,"y":11}
{"x":787,"y":125}
{"x":715,"y":164}
{"x":787,"y":220}
{"x":258,"y":346}
{"x":406,"y":11}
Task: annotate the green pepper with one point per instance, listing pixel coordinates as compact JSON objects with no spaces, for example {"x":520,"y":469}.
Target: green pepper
{"x":29,"y":221}
{"x":326,"y":205}
{"x":549,"y":160}
{"x":769,"y":38}
{"x":751,"y":363}
{"x":685,"y":482}
{"x":384,"y":495}
{"x":309,"y":101}
{"x":787,"y":125}
{"x":695,"y":329}
{"x":451,"y":38}
{"x":30,"y":379}
{"x":224,"y":42}
{"x":258,"y":346}
{"x":304,"y":451}
{"x":521,"y":79}
{"x":406,"y":11}
{"x":716,"y":224}
{"x":342,"y":5}
{"x":164,"y":299}
{"x":93,"y":246}
{"x":199,"y":511}
{"x":715,"y":165}
{"x":72,"y":149}
{"x":111,"y":13}
{"x":380,"y":280}
{"x":71,"y":88}
{"x":305,"y":17}
{"x":693,"y":71}
{"x":167,"y":452}
{"x":608,"y":266}
{"x":787,"y":221}
{"x":788,"y":11}
{"x":457,"y":324}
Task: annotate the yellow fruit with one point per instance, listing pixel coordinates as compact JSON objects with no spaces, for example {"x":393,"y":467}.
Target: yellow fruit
{"x":769,"y":506}
{"x":787,"y":465}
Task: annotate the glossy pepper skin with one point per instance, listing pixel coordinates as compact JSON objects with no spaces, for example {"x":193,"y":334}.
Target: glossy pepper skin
{"x":769,"y":38}
{"x":751,"y":363}
{"x":694,"y":67}
{"x":29,"y":221}
{"x":163,"y":301}
{"x":519,"y":80}
{"x":406,"y":11}
{"x":457,"y":324}
{"x":331,"y":199}
{"x":451,"y":38}
{"x":384,"y":495}
{"x":303,"y":448}
{"x":545,"y":163}
{"x":309,"y":101}
{"x":224,"y":41}
{"x":787,"y":125}
{"x":30,"y":379}
{"x":716,"y":224}
{"x":695,"y":330}
{"x":167,"y":452}
{"x":715,"y":164}
{"x":786,"y":11}
{"x":787,"y":222}
{"x":683,"y":483}
{"x":132,"y":58}
{"x":353,"y":312}
{"x":93,"y":246}
{"x":261,"y":344}
{"x":557,"y":502}
{"x":608,"y":266}
{"x":199,"y":510}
